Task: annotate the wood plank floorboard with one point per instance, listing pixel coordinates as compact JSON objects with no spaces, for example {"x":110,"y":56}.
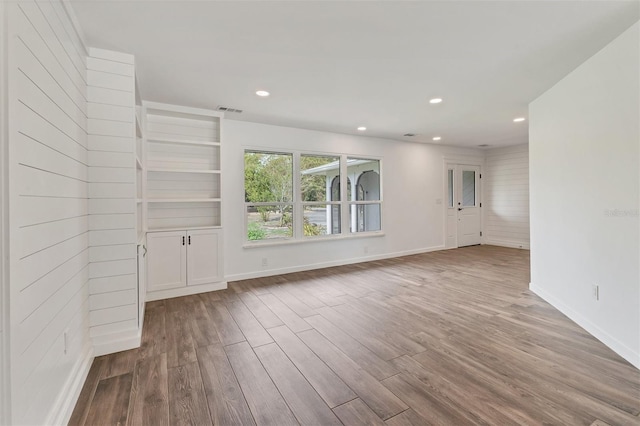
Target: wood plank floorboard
{"x":226,"y":401}
{"x":449,"y":338}
{"x":187,"y":399}
{"x":110,"y":403}
{"x":149,"y":399}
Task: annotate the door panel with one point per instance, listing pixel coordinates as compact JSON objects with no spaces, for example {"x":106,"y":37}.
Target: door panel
{"x":468,"y":206}
{"x":203,"y":256}
{"x":166,"y":260}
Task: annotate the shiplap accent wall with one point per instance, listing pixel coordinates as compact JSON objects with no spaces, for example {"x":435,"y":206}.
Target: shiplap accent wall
{"x":506,"y":196}
{"x":49,"y":222}
{"x":113,"y":300}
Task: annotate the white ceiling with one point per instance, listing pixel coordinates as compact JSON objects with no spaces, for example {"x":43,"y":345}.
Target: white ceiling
{"x":338,"y":65}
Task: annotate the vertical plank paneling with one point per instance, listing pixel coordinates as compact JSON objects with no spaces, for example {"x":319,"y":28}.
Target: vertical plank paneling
{"x":506,"y":196}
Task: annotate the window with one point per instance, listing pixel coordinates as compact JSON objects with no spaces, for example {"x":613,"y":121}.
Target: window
{"x":319,"y":205}
{"x":365,"y":210}
{"x":320,"y":195}
{"x":468,"y":188}
{"x":268,"y":194}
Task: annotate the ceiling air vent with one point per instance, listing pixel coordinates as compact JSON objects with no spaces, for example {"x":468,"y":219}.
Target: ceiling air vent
{"x":484,"y":145}
{"x":227,"y":109}
{"x":409,"y":135}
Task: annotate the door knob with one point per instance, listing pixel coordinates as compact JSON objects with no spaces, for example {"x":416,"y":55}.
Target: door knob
{"x":459,"y":208}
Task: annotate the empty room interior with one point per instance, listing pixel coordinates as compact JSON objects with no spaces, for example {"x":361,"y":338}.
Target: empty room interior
{"x":320,"y":212}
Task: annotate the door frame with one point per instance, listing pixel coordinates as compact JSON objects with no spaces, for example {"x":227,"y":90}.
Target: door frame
{"x":447,"y":163}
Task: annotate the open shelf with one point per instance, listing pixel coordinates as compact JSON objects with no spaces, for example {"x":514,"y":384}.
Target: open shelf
{"x":183,"y":200}
{"x":184,"y":228}
{"x":181,"y":168}
{"x":181,"y":141}
{"x":167,"y":170}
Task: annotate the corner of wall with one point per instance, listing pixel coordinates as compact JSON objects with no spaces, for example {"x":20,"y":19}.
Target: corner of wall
{"x":61,"y":412}
{"x":633,"y":356}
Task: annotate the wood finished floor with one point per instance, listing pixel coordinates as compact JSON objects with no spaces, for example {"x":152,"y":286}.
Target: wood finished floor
{"x":447,"y":338}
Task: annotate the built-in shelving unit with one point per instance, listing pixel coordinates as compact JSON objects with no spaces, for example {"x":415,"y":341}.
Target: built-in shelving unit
{"x":182,"y":200}
{"x":182,"y":167}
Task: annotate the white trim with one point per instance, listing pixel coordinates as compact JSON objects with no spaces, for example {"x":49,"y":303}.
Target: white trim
{"x":62,"y":409}
{"x":321,"y":265}
{"x":116,"y":342}
{"x":618,"y":347}
{"x":504,"y":243}
{"x":185,"y":291}
{"x":315,"y":239}
{"x":180,"y":109}
{"x":5,"y":377}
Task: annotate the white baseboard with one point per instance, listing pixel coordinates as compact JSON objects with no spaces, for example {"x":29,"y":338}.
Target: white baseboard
{"x":116,"y":342}
{"x":615,"y":345}
{"x":61,"y":412}
{"x":184,"y":291}
{"x":507,"y":243}
{"x":309,"y":267}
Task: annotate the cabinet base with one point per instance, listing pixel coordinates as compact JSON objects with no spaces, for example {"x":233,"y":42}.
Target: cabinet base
{"x":185,"y":291}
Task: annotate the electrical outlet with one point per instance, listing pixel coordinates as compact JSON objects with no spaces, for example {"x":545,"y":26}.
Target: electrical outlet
{"x":596,"y":291}
{"x":265,"y":262}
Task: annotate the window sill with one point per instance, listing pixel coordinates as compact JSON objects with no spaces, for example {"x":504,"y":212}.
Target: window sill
{"x":284,"y":242}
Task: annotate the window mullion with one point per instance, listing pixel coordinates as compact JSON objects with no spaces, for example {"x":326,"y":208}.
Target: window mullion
{"x":298,"y":211}
{"x":345,"y":219}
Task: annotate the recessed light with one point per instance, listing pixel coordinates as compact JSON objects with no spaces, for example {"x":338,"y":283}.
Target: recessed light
{"x":518,"y":120}
{"x":362,"y":128}
{"x":435,"y":100}
{"x":262,"y":93}
{"x":437,"y":138}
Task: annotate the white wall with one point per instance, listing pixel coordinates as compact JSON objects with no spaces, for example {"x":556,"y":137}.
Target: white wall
{"x":584,"y":147}
{"x":505,"y":203}
{"x":48,"y":208}
{"x":412,"y":181}
{"x":113,"y":300}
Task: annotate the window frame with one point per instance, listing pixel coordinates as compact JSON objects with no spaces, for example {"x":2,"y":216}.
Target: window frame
{"x":248,"y":204}
{"x":297,"y":205}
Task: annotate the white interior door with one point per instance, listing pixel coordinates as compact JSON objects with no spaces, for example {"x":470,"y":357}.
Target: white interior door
{"x":166,"y":260}
{"x":203,"y":256}
{"x":467,"y":191}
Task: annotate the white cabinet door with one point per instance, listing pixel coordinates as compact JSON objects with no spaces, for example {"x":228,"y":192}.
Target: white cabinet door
{"x":203,"y":257}
{"x":166,"y":260}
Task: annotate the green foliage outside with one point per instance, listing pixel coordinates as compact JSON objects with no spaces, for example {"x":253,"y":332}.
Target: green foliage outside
{"x":255,"y":232}
{"x":268,"y":178}
{"x":311,"y":229}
